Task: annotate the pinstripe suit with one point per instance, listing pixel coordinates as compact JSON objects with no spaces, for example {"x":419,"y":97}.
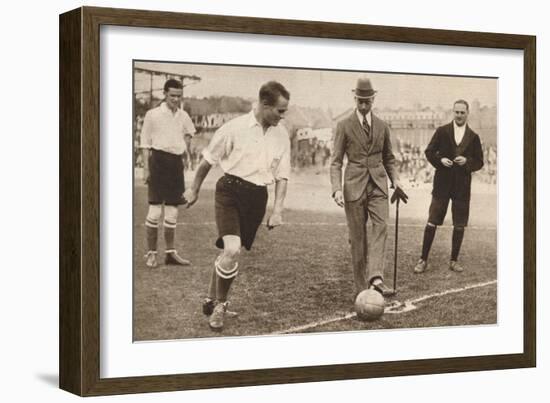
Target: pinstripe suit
{"x":365,"y":187}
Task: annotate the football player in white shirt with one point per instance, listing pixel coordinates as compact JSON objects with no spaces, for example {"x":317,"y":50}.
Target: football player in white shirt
{"x":165,"y":136}
{"x":253,"y":150}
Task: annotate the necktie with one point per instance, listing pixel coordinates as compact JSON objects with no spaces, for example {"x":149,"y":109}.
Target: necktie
{"x":366,"y":126}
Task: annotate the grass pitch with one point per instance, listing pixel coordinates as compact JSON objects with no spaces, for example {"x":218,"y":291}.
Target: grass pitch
{"x":300,"y":274}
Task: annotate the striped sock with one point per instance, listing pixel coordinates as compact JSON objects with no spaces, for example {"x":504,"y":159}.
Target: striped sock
{"x":224,"y":278}
{"x":151,"y":229}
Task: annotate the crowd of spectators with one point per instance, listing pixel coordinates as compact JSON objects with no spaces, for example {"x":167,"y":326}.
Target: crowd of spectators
{"x":416,"y":170}
{"x":411,"y":162}
{"x":413,"y":165}
{"x":310,"y":153}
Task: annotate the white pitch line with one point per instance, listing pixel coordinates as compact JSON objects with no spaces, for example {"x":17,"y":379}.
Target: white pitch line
{"x":452,"y":291}
{"x":298,"y":329}
{"x":407,"y":305}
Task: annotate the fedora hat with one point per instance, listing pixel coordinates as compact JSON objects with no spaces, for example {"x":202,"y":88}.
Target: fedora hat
{"x":364,"y":88}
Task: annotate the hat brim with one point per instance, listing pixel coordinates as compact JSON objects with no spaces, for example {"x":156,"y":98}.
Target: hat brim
{"x":364,"y":95}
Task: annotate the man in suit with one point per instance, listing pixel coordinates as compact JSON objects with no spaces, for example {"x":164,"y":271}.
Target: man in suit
{"x":455,"y":152}
{"x":365,"y":140}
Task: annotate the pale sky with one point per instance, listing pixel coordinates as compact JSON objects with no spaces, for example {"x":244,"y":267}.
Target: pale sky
{"x":323,"y":88}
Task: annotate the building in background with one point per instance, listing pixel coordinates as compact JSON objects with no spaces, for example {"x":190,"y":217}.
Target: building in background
{"x":412,"y":128}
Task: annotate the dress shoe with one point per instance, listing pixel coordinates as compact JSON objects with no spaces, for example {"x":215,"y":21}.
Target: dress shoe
{"x":383,"y":289}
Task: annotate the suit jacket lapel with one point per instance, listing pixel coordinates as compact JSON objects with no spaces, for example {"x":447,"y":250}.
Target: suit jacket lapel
{"x":375,"y":131}
{"x":468,"y":136}
{"x":451,"y":134}
{"x":357,"y":130}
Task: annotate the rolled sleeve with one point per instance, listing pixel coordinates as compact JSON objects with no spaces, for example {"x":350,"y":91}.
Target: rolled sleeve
{"x":283,"y":169}
{"x":207,"y":155}
{"x":146,"y":129}
{"x":188,"y":126}
{"x":218,"y":147}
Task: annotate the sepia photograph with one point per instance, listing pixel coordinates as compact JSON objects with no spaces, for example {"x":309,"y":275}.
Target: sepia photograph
{"x":255,"y":201}
{"x":270,"y":200}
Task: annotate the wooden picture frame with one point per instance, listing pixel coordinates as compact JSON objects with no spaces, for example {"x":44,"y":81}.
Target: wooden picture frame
{"x":80,"y":200}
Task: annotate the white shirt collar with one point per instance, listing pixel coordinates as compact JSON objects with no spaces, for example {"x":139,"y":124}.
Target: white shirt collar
{"x":368,"y":116}
{"x":252,"y":121}
{"x":459,"y":132}
{"x":166,"y":109}
{"x":458,"y":128}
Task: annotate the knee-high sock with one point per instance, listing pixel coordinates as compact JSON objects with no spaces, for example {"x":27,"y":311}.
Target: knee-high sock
{"x":212,"y":285}
{"x":429,"y":235}
{"x":152,"y":226}
{"x":170,"y":222}
{"x":222,"y":288}
{"x":169,"y":235}
{"x":226,"y":271}
{"x":152,"y":235}
{"x":458,"y":236}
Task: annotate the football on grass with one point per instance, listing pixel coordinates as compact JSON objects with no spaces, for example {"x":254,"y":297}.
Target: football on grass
{"x":369,"y":305}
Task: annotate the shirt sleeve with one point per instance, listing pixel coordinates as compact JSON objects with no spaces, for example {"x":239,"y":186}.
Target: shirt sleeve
{"x":219,"y":146}
{"x":188,"y":126}
{"x":146,"y":130}
{"x":283,"y":169}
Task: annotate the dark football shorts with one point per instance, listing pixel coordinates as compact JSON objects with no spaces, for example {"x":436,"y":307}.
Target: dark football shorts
{"x":166,"y":181}
{"x":240,"y":208}
{"x":460,"y":210}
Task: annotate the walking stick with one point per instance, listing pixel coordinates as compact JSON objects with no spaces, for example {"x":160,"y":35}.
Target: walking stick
{"x":395,"y":247}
